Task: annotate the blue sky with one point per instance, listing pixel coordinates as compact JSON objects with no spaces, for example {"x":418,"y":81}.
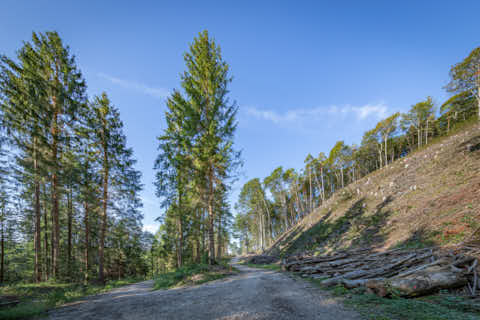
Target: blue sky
{"x":306,"y":73}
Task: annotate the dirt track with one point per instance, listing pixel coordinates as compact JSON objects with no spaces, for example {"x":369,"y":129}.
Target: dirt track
{"x":252,"y":294}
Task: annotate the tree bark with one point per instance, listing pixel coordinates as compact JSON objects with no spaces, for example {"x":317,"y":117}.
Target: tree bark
{"x":69,"y":237}
{"x":103,"y":229}
{"x":219,"y":237}
{"x":38,"y":240}
{"x":386,"y":153}
{"x":2,"y":259}
{"x":55,"y":211}
{"x":211,"y":220}
{"x":87,"y":244}
{"x":180,"y":239}
{"x":45,"y":236}
{"x":310,"y":182}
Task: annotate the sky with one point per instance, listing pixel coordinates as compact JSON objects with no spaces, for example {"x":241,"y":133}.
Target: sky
{"x":305,"y":73}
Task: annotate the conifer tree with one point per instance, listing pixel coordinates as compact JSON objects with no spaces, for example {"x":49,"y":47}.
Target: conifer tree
{"x":110,"y":143}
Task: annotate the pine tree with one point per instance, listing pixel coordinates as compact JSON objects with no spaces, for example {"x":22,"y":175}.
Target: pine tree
{"x":110,"y":143}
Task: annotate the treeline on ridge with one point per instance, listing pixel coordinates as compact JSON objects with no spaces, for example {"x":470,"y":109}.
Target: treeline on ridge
{"x":267,"y":208}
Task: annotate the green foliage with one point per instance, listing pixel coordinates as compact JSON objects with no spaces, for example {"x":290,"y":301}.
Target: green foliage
{"x":50,"y":220}
{"x":191,"y":274}
{"x":438,"y":307}
{"x":37,"y":298}
{"x":197,"y":158}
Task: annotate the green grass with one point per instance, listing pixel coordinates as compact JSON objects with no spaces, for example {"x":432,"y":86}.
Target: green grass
{"x":192,"y":275}
{"x":37,"y":298}
{"x":438,"y":307}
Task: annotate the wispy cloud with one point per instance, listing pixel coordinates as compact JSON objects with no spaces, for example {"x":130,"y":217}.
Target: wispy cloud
{"x":378,"y":111}
{"x":151,"y":228}
{"x":158,"y":93}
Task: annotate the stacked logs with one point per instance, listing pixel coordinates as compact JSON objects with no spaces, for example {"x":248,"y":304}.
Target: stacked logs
{"x":404,"y":272}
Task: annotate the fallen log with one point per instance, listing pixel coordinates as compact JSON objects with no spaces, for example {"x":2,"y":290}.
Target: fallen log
{"x":423,"y":282}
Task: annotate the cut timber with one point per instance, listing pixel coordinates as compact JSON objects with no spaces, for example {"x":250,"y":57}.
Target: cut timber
{"x":425,"y":282}
{"x":409,"y":272}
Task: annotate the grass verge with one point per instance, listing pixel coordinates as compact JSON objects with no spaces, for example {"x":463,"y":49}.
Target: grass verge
{"x":192,"y":275}
{"x":37,"y":298}
{"x":442,"y":306}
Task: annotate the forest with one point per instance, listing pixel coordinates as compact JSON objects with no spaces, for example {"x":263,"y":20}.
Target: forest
{"x":268,"y":207}
{"x":70,"y":209}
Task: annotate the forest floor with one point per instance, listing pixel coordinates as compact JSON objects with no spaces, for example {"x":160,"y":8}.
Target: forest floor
{"x":250,"y":294}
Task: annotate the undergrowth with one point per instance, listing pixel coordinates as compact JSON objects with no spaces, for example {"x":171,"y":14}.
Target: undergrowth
{"x":192,"y":275}
{"x":443,"y":306}
{"x":37,"y":298}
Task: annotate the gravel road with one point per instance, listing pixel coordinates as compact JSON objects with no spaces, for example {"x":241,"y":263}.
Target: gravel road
{"x":251,"y":294}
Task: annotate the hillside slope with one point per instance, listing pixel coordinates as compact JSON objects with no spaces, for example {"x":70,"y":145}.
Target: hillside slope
{"x":430,"y":197}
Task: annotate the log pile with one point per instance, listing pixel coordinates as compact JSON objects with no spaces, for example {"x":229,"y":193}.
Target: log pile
{"x":404,"y":272}
{"x":262,"y":259}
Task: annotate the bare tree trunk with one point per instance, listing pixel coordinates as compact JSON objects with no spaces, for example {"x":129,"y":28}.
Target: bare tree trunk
{"x":180,"y":242}
{"x":285,"y":209}
{"x":211,"y":216}
{"x":69,"y":237}
{"x":341,"y":173}
{"x":198,"y":235}
{"x":268,"y":221}
{"x":87,"y":244}
{"x":478,"y":90}
{"x":310,"y":182}
{"x":38,"y":240}
{"x":219,"y":237}
{"x":380,"y":155}
{"x":426,"y":134}
{"x":45,"y":236}
{"x":386,"y":153}
{"x":52,"y":240}
{"x":300,"y":204}
{"x":55,"y":212}
{"x":419,"y":136}
{"x":103,"y":229}
{"x":2,"y":259}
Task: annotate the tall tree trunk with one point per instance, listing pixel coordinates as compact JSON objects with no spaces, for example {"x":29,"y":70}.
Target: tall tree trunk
{"x":285,"y":208}
{"x":197,"y":236}
{"x":300,"y":204}
{"x":204,"y":229}
{"x":319,"y":186}
{"x":87,"y":244}
{"x":323,"y":185}
{"x":343,"y":179}
{"x":103,"y":229}
{"x":478,"y":90}
{"x":38,"y":240}
{"x":52,"y":240}
{"x":55,"y":209}
{"x":268,"y":221}
{"x":386,"y":153}
{"x":219,"y":237}
{"x":180,"y":242}
{"x":311,"y":190}
{"x":419,"y":136}
{"x":45,"y":236}
{"x":380,"y":155}
{"x":426,"y":134}
{"x":211,"y":220}
{"x":69,"y":237}
{"x":2,"y":259}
